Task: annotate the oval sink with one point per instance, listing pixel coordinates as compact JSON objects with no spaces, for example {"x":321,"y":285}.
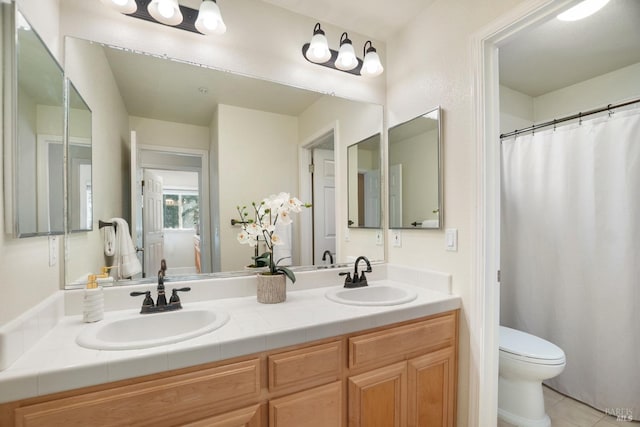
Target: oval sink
{"x":149,"y":330}
{"x":371,"y":295}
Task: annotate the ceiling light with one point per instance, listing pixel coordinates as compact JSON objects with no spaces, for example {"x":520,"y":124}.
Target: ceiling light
{"x":209,"y":18}
{"x":371,"y":65}
{"x":122,"y":6}
{"x":165,"y":11}
{"x":346,"y":55}
{"x":582,"y":10}
{"x":318,"y":52}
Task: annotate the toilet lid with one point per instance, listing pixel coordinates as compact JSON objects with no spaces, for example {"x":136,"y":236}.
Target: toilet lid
{"x":530,"y":346}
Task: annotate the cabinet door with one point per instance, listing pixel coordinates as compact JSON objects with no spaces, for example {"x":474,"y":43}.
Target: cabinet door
{"x":431,"y":389}
{"x":318,"y":407}
{"x":246,"y":417}
{"x":378,"y":398}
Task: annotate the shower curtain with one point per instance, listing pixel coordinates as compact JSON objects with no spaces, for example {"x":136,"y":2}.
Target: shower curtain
{"x":570,"y":253}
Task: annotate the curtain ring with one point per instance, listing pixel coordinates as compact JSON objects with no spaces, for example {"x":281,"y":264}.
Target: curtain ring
{"x":554,"y":125}
{"x":580,"y":118}
{"x":610,"y":111}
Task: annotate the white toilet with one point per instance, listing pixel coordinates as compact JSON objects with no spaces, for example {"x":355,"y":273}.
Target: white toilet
{"x":525,"y":361}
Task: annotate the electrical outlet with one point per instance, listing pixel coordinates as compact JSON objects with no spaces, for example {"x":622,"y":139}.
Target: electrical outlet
{"x":347,"y":235}
{"x":379,"y":241}
{"x":396,"y":238}
{"x":53,"y":250}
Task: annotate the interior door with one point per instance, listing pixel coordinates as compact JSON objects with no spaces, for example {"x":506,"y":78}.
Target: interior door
{"x":136,"y":201}
{"x":152,"y":222}
{"x":324,"y":204}
{"x":372,"y":198}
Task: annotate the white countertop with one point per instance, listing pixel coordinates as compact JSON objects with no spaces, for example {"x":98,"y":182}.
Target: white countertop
{"x":56,"y":363}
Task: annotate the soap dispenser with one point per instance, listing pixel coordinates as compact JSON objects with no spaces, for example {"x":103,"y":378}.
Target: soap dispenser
{"x":93,"y":301}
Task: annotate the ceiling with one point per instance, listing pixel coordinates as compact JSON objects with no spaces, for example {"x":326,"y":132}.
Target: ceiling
{"x":557,"y":54}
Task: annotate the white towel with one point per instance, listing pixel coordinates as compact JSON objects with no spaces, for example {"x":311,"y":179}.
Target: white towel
{"x":126,"y":261}
{"x":109,"y":234}
{"x":283,"y":250}
{"x":430,"y":223}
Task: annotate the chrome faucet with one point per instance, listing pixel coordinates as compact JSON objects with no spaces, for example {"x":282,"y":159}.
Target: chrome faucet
{"x":357,"y":281}
{"x":324,"y":256}
{"x":160,"y":305}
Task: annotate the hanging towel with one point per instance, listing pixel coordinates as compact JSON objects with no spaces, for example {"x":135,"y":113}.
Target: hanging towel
{"x":109,"y":235}
{"x":283,"y":250}
{"x":126,"y":261}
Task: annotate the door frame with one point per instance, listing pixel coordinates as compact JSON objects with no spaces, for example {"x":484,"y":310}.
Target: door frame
{"x":208,"y":244}
{"x":305,"y":185}
{"x":484,"y":307}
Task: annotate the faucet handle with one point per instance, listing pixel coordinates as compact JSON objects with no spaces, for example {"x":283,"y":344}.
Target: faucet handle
{"x":148,"y":301}
{"x":347,"y":280}
{"x":174,"y":295}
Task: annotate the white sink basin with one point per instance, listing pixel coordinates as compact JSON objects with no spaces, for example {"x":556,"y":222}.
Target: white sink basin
{"x":371,"y":295}
{"x":137,"y":331}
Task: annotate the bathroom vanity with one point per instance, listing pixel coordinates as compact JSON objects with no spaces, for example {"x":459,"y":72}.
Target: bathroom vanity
{"x":307,"y":362}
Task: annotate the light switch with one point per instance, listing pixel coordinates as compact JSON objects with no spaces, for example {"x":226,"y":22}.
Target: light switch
{"x":451,"y":239}
{"x":347,"y":235}
{"x":379,"y":241}
{"x":396,"y":238}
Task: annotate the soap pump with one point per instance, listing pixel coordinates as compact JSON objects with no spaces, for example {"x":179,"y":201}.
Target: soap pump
{"x":93,"y":301}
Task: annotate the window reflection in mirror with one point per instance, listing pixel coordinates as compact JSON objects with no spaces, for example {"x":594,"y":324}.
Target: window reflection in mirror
{"x":79,"y":162}
{"x":36,"y":156}
{"x":415,"y":175}
{"x":364,"y":183}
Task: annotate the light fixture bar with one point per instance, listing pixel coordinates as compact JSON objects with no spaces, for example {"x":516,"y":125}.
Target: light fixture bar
{"x":188,"y":22}
{"x":331,"y":63}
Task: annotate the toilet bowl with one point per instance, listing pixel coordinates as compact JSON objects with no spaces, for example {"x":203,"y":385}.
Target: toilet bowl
{"x":525,"y":361}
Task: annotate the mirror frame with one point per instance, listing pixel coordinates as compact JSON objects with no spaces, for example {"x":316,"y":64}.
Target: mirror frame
{"x":440,"y":186}
{"x":350,"y":184}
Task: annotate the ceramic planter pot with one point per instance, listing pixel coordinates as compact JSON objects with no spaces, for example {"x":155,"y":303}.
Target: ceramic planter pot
{"x":272,"y":288}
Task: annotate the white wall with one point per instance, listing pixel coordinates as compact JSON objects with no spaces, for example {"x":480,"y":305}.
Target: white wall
{"x":26,"y":276}
{"x":169,"y":134}
{"x":516,"y":110}
{"x":87,"y":66}
{"x":249,"y":173}
{"x":429,"y":64}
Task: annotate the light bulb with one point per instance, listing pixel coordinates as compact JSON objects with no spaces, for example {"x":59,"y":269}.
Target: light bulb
{"x":318,"y":50}
{"x":209,"y":19}
{"x":371,"y":65}
{"x":582,"y":10}
{"x":122,"y":6}
{"x":346,"y":57}
{"x":165,"y":9}
{"x":120,"y":2}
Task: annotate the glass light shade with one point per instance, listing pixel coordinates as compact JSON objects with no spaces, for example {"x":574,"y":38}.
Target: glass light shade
{"x":346,"y":57}
{"x":582,"y":10}
{"x":371,"y":66}
{"x":209,"y":19}
{"x":122,"y":6}
{"x":318,"y":50}
{"x":165,"y":11}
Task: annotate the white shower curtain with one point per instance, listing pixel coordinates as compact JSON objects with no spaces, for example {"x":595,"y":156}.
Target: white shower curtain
{"x":570,"y":253}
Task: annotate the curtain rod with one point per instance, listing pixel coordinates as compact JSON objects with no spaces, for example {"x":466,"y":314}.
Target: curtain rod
{"x":567,"y":118}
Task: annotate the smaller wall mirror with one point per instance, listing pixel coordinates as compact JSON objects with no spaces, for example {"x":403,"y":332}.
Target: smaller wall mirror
{"x":415,"y":173}
{"x":33,"y":134}
{"x":365,"y":208}
{"x":79,"y":175}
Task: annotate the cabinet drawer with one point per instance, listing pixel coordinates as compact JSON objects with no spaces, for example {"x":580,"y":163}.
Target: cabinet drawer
{"x":318,"y":407}
{"x":383,"y":347}
{"x":162,"y":402}
{"x":304,"y":368}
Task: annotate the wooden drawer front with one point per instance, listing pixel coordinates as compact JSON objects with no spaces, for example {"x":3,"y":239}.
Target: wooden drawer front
{"x":162,"y":402}
{"x":318,"y":407}
{"x":246,"y":417}
{"x":304,"y":368}
{"x":379,"y":348}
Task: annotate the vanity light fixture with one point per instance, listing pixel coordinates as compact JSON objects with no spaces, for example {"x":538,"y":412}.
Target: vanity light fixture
{"x":582,"y":10}
{"x":205,"y":20}
{"x":318,"y":52}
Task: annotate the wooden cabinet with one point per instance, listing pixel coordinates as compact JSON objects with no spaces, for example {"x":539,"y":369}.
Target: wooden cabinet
{"x":393,"y":376}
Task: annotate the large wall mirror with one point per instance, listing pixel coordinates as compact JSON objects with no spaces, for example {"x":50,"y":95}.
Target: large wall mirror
{"x":365,"y":175}
{"x":79,"y":159}
{"x":34,"y":129}
{"x":415,"y":173}
{"x":209,"y":140}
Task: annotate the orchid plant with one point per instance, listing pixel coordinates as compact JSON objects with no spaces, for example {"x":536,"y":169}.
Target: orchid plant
{"x":275,"y":209}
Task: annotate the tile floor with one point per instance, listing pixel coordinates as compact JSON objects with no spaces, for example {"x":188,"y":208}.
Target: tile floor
{"x":566,"y":412}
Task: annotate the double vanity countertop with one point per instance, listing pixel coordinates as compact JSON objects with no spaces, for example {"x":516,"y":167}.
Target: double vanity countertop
{"x":55,"y":362}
